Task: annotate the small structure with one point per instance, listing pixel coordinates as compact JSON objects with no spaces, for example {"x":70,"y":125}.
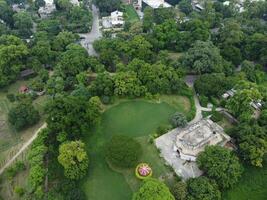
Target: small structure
{"x":46,"y":11}
{"x":23,"y":89}
{"x":229,"y":93}
{"x":193,"y":139}
{"x":115,"y":20}
{"x":26,"y":73}
{"x":197,"y":5}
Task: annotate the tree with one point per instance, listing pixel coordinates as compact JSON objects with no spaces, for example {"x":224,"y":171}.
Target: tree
{"x":23,"y":23}
{"x":263,"y":118}
{"x":63,"y":39}
{"x":178,"y":120}
{"x":203,"y":57}
{"x":123,"y":152}
{"x":185,"y":6}
{"x":42,"y":51}
{"x":251,"y":71}
{"x":69,"y":117}
{"x":221,"y":165}
{"x":202,"y":188}
{"x":107,"y":6}
{"x":239,"y":104}
{"x":252,"y":143}
{"x":13,"y":53}
{"x":23,"y":115}
{"x":74,"y":159}
{"x":6,"y":13}
{"x":153,"y":189}
{"x":148,"y":19}
{"x":179,"y":190}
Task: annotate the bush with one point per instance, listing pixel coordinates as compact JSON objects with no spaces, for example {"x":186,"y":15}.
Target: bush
{"x":15,"y":169}
{"x":123,"y":151}
{"x":179,"y":190}
{"x":203,"y":100}
{"x":19,"y":191}
{"x":162,"y":129}
{"x":11,"y":97}
{"x":216,"y":116}
{"x":178,"y":120}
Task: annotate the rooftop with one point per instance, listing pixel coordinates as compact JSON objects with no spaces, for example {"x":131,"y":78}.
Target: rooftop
{"x":157,"y":3}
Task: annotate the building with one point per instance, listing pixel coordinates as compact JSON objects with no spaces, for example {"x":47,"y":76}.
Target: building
{"x":47,"y":9}
{"x":193,"y":139}
{"x":154,"y":4}
{"x":26,"y":73}
{"x":115,"y":20}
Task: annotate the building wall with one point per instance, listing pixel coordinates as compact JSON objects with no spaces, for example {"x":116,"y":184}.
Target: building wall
{"x":187,"y":157}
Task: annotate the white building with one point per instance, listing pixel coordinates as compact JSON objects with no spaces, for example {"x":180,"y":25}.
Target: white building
{"x":47,"y":9}
{"x":115,"y":20}
{"x":155,"y":4}
{"x":194,"y":138}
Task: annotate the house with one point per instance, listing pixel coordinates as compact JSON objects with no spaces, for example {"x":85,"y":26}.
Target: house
{"x":115,"y":20}
{"x":23,"y":89}
{"x":193,"y":139}
{"x":229,"y":93}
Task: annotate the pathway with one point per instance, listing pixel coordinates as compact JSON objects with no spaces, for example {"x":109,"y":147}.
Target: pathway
{"x":22,"y":149}
{"x":94,"y":34}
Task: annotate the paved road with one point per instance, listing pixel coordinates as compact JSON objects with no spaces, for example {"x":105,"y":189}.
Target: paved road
{"x":95,"y":33}
{"x":23,"y":148}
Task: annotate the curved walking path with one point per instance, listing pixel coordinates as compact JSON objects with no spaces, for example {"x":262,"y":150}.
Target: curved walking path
{"x":22,"y":149}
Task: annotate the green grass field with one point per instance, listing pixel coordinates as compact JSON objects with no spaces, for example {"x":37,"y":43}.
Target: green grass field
{"x":138,"y":119}
{"x":131,"y":14}
{"x":252,"y":185}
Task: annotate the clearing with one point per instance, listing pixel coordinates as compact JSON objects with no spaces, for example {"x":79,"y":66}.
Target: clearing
{"x":134,"y":118}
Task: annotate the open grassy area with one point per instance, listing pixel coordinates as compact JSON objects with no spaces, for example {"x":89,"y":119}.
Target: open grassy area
{"x":252,"y":185}
{"x":10,"y":139}
{"x":134,"y":118}
{"x":130,"y":13}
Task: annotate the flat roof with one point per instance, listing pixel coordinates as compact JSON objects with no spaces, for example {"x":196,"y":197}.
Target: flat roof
{"x":157,"y":3}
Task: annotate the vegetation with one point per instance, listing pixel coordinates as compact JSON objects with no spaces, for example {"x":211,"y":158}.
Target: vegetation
{"x":221,"y":165}
{"x":153,"y":189}
{"x":74,"y":159}
{"x":178,"y":120}
{"x":123,"y":151}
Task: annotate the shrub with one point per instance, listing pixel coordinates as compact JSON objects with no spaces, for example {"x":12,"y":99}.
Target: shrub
{"x":123,"y":151}
{"x":15,"y":169}
{"x":19,"y":191}
{"x":162,"y":129}
{"x":203,"y":100}
{"x":179,"y":190}
{"x":11,"y":97}
{"x":178,"y":120}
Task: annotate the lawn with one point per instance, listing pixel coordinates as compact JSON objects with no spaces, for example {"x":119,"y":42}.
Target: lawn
{"x":252,"y":185}
{"x":135,"y":118}
{"x":131,"y":14}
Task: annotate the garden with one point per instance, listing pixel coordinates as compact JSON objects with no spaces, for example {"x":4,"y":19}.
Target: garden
{"x":136,"y":119}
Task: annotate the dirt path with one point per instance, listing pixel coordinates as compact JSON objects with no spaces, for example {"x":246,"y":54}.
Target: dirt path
{"x":23,"y":148}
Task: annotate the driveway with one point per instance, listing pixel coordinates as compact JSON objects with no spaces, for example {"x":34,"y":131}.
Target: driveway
{"x":95,"y":33}
{"x":165,"y":144}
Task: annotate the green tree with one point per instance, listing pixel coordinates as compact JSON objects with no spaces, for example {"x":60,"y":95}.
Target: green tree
{"x":148,"y":19}
{"x":263,"y":118}
{"x":239,"y":104}
{"x":221,"y":165}
{"x":203,"y":57}
{"x":107,"y":6}
{"x":63,"y":39}
{"x":185,"y":6}
{"x":179,"y":190}
{"x":153,"y":189}
{"x":202,"y":188}
{"x":123,"y":152}
{"x":178,"y":120}
{"x":13,"y":53}
{"x":23,"y":23}
{"x":74,"y":159}
{"x":23,"y":115}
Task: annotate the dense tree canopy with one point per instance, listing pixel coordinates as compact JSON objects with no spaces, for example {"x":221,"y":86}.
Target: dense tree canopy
{"x":221,"y":165}
{"x":74,"y":159}
{"x":23,"y":115}
{"x":153,"y":189}
{"x":203,"y":57}
{"x":107,"y":6}
{"x":23,"y":23}
{"x":202,"y":188}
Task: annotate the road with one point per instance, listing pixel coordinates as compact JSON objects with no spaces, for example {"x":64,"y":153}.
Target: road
{"x":95,"y":33}
{"x":22,"y":149}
